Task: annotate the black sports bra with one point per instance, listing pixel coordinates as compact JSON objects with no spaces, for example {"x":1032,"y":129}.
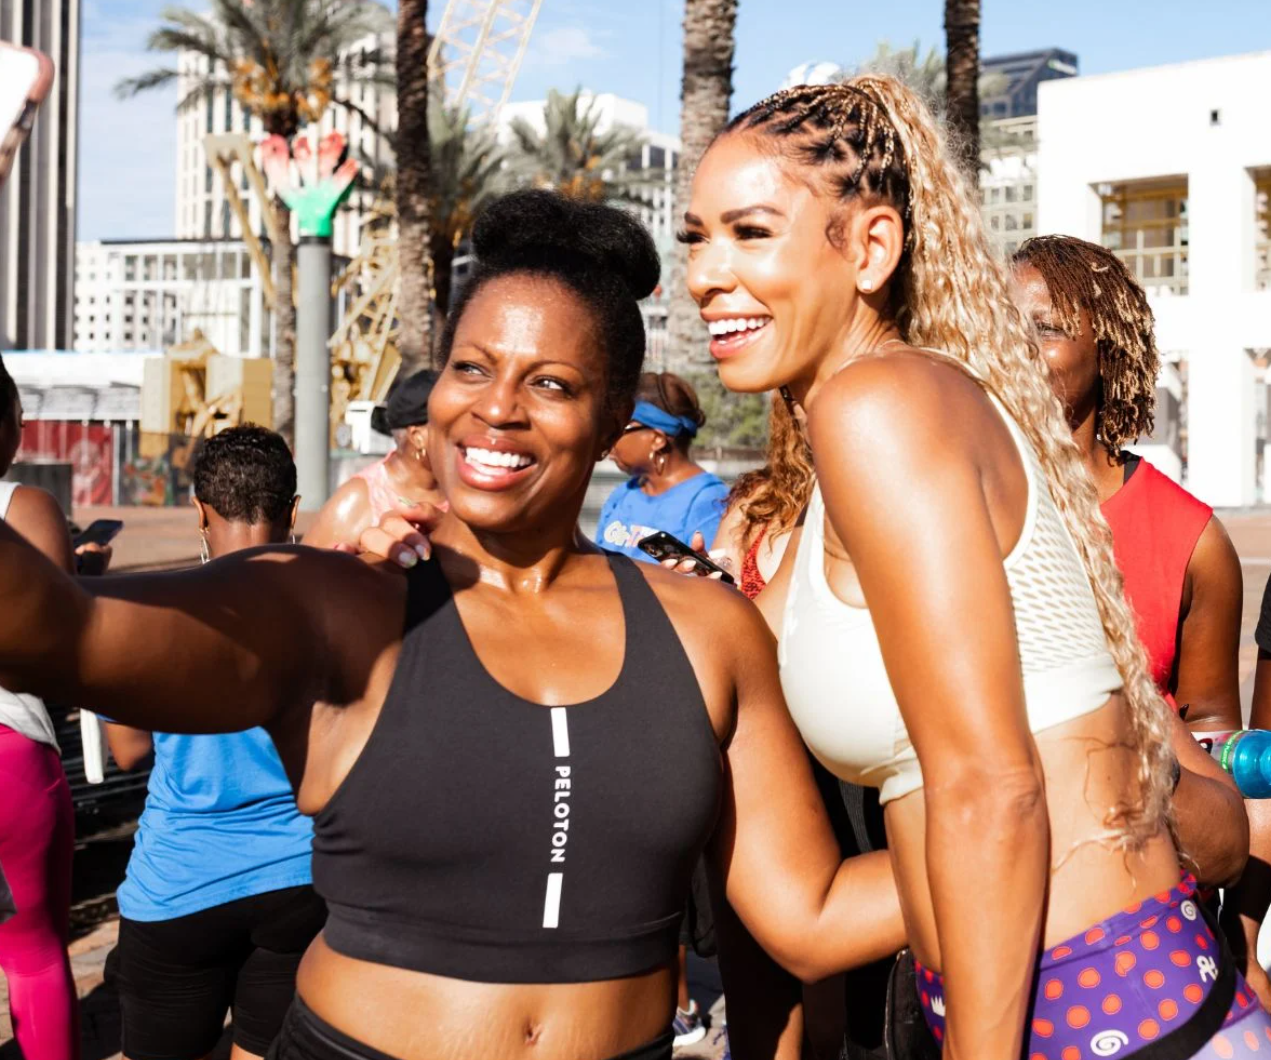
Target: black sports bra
{"x":484,"y":837}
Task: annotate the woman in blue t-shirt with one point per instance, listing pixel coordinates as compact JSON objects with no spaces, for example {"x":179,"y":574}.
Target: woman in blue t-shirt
{"x":218,"y":906}
{"x":667,"y":491}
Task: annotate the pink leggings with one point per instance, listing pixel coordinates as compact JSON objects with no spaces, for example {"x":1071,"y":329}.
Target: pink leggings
{"x":37,"y":837}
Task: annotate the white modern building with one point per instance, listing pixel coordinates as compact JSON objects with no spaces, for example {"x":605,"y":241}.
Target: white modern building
{"x":202,"y":208}
{"x":152,"y":295}
{"x":1008,"y":186}
{"x":37,"y":204}
{"x":1171,"y":167}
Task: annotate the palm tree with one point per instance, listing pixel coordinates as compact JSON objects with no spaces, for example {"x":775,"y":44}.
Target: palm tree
{"x":962,"y":89}
{"x":467,"y":171}
{"x":413,"y":176}
{"x":572,"y":154}
{"x":285,"y":62}
{"x":709,"y":44}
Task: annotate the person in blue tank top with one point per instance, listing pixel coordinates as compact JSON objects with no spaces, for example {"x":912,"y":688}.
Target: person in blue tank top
{"x":218,"y":905}
{"x":667,"y":490}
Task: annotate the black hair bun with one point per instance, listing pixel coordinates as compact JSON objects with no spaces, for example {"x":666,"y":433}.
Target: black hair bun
{"x":533,"y":226}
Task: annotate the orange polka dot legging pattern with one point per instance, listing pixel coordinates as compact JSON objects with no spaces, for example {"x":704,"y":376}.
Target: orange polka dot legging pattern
{"x":1126,"y":982}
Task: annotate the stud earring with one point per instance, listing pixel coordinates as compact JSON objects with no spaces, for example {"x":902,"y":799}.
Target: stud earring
{"x":867,"y":284}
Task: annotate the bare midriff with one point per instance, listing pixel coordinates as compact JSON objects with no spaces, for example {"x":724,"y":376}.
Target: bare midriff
{"x":1089,"y":768}
{"x":417,"y":1016}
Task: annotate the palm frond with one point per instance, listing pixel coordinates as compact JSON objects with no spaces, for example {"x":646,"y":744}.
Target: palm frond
{"x":132,"y":86}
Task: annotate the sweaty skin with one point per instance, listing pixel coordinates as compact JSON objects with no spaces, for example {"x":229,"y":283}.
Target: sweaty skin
{"x":264,"y":637}
{"x":925,"y":495}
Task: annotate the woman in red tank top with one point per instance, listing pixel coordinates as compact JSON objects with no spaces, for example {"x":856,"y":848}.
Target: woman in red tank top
{"x":1182,"y":574}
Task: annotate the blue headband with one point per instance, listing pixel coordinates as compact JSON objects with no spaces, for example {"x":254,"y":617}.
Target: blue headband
{"x":661,"y":420}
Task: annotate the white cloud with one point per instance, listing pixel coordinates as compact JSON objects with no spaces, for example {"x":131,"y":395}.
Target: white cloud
{"x":562,"y":46}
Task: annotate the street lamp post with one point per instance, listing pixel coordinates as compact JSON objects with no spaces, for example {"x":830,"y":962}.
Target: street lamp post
{"x":324,"y":184}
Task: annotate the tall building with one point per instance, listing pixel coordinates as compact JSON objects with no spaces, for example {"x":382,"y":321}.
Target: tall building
{"x":1017,"y":77}
{"x":37,"y":205}
{"x":152,"y":295}
{"x":1170,"y":167}
{"x":202,"y":208}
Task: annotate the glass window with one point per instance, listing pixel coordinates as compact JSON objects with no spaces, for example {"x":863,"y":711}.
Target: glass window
{"x":1009,"y":192}
{"x":1028,"y":193}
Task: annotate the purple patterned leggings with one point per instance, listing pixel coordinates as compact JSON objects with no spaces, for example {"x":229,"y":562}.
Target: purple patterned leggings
{"x":1125,"y":982}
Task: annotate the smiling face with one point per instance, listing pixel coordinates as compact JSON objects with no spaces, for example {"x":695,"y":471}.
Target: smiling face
{"x":1073,"y":359}
{"x":773,"y":289}
{"x":519,"y":415}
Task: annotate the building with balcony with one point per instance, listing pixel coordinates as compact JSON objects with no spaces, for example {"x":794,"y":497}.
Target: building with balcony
{"x":1171,"y":168}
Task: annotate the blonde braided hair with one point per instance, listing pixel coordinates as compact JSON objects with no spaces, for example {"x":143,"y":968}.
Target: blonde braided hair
{"x":876,"y":139}
{"x":1082,"y":276}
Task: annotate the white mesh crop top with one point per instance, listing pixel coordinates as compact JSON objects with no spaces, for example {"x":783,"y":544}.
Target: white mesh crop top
{"x":832,"y":666}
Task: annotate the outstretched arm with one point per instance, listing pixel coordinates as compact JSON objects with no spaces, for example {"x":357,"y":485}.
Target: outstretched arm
{"x":219,"y":649}
{"x":774,"y":848}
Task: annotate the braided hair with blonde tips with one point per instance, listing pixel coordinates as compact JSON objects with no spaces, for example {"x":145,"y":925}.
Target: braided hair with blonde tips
{"x":875,"y":140}
{"x":1084,"y":277}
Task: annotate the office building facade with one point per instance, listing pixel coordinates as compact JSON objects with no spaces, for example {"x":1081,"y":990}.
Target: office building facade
{"x":37,"y":204}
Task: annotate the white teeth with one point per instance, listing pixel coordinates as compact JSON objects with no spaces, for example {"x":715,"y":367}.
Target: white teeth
{"x":733,"y":324}
{"x":494,"y":458}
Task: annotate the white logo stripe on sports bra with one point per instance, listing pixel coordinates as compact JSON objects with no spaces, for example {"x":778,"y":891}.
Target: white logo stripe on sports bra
{"x":562,"y":790}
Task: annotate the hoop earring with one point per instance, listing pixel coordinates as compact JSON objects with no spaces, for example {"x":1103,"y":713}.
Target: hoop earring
{"x":420,"y":454}
{"x":293,"y":537}
{"x":203,"y":549}
{"x":659,"y":461}
{"x":788,"y":398}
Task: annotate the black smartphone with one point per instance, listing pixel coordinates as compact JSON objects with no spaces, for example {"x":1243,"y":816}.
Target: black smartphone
{"x":100,"y":532}
{"x":664,"y":546}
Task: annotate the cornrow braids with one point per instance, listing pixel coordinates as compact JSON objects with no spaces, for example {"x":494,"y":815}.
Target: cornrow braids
{"x":1083,"y":276}
{"x":951,"y":293}
{"x":841,"y":126}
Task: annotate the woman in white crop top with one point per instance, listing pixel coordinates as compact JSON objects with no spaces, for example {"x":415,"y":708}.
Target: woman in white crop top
{"x":954,"y":631}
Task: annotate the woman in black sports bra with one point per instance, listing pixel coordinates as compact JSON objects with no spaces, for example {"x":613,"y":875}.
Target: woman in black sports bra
{"x":513,"y":752}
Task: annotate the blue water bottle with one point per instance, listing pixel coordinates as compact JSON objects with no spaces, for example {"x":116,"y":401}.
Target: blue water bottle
{"x":1246,"y":755}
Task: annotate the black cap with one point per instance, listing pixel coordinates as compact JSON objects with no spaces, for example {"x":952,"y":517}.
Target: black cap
{"x":407,"y":404}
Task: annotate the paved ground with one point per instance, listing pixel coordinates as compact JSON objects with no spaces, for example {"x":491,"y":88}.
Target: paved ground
{"x":167,"y":537}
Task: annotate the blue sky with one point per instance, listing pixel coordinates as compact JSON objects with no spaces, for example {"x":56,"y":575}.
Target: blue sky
{"x":632,"y":47}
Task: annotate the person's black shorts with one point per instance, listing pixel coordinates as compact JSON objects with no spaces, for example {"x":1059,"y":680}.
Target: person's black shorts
{"x":178,"y":978}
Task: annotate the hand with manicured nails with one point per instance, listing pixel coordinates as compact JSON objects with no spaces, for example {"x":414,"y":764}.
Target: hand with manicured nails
{"x":401,"y":536}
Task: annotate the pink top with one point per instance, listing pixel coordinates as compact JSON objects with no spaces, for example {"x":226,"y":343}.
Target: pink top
{"x":379,"y":488}
{"x":381,"y":492}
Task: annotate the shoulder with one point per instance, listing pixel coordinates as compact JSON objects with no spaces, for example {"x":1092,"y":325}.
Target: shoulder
{"x":1165,"y":490}
{"x":883,"y":423}
{"x":40,"y":519}
{"x":703,"y":608}
{"x":32,"y":503}
{"x":905,"y":397}
{"x":344,"y":516}
{"x":1214,"y":559}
